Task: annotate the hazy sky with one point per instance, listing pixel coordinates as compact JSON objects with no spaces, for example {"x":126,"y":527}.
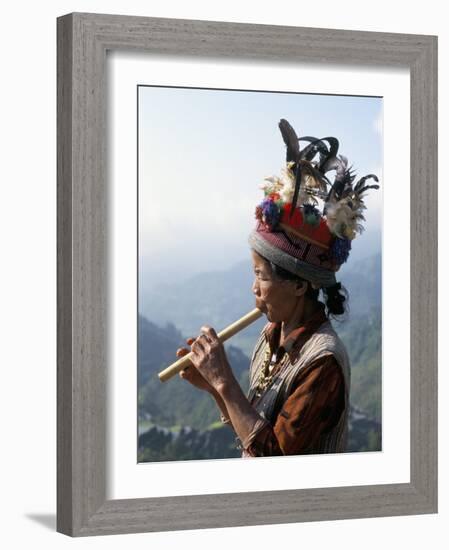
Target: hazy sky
{"x":203,"y":155}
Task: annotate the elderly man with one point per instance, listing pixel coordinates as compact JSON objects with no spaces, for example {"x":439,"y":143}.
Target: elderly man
{"x":298,"y":400}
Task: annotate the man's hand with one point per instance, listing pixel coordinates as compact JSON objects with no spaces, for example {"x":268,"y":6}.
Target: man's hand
{"x":191,"y":374}
{"x":209,"y":359}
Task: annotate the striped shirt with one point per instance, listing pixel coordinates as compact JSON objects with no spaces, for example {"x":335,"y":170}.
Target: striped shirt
{"x":315,"y":404}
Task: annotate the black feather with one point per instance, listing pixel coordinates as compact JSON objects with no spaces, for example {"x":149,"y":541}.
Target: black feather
{"x":290,"y":139}
{"x":342,"y":179}
{"x":365,"y":188}
{"x":315,"y":145}
{"x":334,"y":145}
{"x":361,"y":181}
{"x":346,"y":180}
{"x":312,"y":171}
{"x":330,"y":164}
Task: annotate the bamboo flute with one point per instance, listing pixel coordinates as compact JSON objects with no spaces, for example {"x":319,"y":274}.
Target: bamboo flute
{"x":224,"y":335}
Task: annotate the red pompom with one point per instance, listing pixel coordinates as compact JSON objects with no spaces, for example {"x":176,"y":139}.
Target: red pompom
{"x":319,"y":233}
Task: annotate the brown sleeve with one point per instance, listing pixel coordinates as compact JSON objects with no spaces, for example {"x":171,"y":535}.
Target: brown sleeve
{"x":314,"y":407}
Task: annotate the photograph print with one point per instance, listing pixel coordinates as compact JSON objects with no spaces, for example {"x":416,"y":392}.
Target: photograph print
{"x":268,"y":204}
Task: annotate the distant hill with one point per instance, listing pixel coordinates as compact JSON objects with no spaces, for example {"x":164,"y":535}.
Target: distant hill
{"x":175,"y":403}
{"x":185,"y":414}
{"x":159,"y":444}
{"x":362,"y":333}
{"x":363,"y":280}
{"x":218,"y":298}
{"x":215,"y":298}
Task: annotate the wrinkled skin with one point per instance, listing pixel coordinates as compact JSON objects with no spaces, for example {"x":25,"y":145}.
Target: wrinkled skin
{"x":210,"y":362}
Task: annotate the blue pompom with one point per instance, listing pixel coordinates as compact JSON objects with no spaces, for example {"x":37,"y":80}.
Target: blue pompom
{"x":340,"y":250}
{"x":271,"y":212}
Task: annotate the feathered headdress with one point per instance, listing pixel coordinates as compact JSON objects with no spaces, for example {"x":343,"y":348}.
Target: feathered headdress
{"x":319,"y":238}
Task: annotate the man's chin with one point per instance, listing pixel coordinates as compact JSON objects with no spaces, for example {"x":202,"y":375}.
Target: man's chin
{"x":266,"y":312}
{"x":269,"y":315}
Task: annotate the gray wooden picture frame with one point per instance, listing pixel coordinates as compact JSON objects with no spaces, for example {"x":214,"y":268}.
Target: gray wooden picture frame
{"x":83,"y":40}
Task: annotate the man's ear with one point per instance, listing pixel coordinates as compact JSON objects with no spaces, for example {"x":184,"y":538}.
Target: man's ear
{"x":301,"y":288}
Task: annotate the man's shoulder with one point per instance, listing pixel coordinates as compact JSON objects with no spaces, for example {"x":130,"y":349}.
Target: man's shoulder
{"x":323,"y":342}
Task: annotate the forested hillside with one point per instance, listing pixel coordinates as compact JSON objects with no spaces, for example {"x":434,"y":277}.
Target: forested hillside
{"x":177,"y":421}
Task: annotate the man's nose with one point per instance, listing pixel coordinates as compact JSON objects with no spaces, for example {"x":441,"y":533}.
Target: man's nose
{"x":255,"y":287}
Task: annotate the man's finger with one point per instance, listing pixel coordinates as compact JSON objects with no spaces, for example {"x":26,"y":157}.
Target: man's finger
{"x":180,"y":352}
{"x":185,"y":372}
{"x":210,"y":332}
{"x":197,"y":347}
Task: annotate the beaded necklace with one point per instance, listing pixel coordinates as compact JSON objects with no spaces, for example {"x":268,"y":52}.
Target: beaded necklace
{"x":266,"y":374}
